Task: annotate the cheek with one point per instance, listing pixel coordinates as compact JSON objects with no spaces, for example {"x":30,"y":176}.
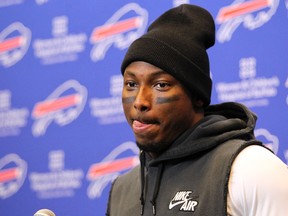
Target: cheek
{"x":126,"y":107}
{"x":179,"y":107}
{"x":168,"y":111}
{"x":178,"y":113}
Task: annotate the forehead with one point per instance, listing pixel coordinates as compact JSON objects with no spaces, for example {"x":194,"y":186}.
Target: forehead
{"x":144,"y":69}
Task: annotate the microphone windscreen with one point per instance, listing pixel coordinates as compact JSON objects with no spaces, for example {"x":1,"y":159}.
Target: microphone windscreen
{"x":44,"y":212}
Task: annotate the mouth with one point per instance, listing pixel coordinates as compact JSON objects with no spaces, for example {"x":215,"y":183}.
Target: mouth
{"x":140,"y":126}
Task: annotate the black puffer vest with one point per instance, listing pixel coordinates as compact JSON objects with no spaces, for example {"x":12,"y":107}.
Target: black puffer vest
{"x":197,"y":186}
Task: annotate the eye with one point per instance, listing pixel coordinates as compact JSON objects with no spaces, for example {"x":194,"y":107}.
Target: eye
{"x":130,"y":84}
{"x":162,"y":85}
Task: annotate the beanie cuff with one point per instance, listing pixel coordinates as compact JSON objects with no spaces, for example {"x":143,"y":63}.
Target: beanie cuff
{"x":171,"y":61}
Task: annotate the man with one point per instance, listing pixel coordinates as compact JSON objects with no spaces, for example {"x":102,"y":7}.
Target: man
{"x":196,"y":158}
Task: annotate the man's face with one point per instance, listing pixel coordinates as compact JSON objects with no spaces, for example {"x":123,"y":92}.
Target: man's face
{"x":156,"y":106}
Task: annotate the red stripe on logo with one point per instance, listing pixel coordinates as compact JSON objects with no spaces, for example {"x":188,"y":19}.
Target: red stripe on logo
{"x":115,"y":28}
{"x":9,"y":174}
{"x":105,"y":168}
{"x":11,"y":43}
{"x":240,"y":9}
{"x":49,"y":106}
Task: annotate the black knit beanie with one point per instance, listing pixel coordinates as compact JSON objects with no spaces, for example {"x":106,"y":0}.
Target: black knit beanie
{"x":176,"y":42}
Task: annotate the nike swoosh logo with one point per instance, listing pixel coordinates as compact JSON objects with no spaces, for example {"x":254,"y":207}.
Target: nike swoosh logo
{"x":172,"y":205}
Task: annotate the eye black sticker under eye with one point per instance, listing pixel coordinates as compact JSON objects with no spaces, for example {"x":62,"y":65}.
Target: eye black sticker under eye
{"x":161,"y":100}
{"x":128,"y":99}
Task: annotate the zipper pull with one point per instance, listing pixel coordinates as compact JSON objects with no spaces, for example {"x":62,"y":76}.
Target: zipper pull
{"x":142,"y":209}
{"x":153,"y":209}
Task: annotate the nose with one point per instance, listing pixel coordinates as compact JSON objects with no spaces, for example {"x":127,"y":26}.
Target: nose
{"x":143,"y":100}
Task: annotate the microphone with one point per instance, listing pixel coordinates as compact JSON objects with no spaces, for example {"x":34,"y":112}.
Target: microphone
{"x":44,"y":212}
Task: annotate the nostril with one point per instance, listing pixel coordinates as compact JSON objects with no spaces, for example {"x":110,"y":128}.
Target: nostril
{"x":143,"y":108}
{"x":140,"y":107}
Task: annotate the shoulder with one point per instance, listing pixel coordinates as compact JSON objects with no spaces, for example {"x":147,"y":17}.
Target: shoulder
{"x":125,"y":181}
{"x":256,"y":160}
{"x":124,"y":193}
{"x":258,"y":183}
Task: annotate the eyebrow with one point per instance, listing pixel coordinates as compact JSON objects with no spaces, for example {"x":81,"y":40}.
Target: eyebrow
{"x":158,"y":73}
{"x":130,"y":73}
{"x":153,"y":74}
